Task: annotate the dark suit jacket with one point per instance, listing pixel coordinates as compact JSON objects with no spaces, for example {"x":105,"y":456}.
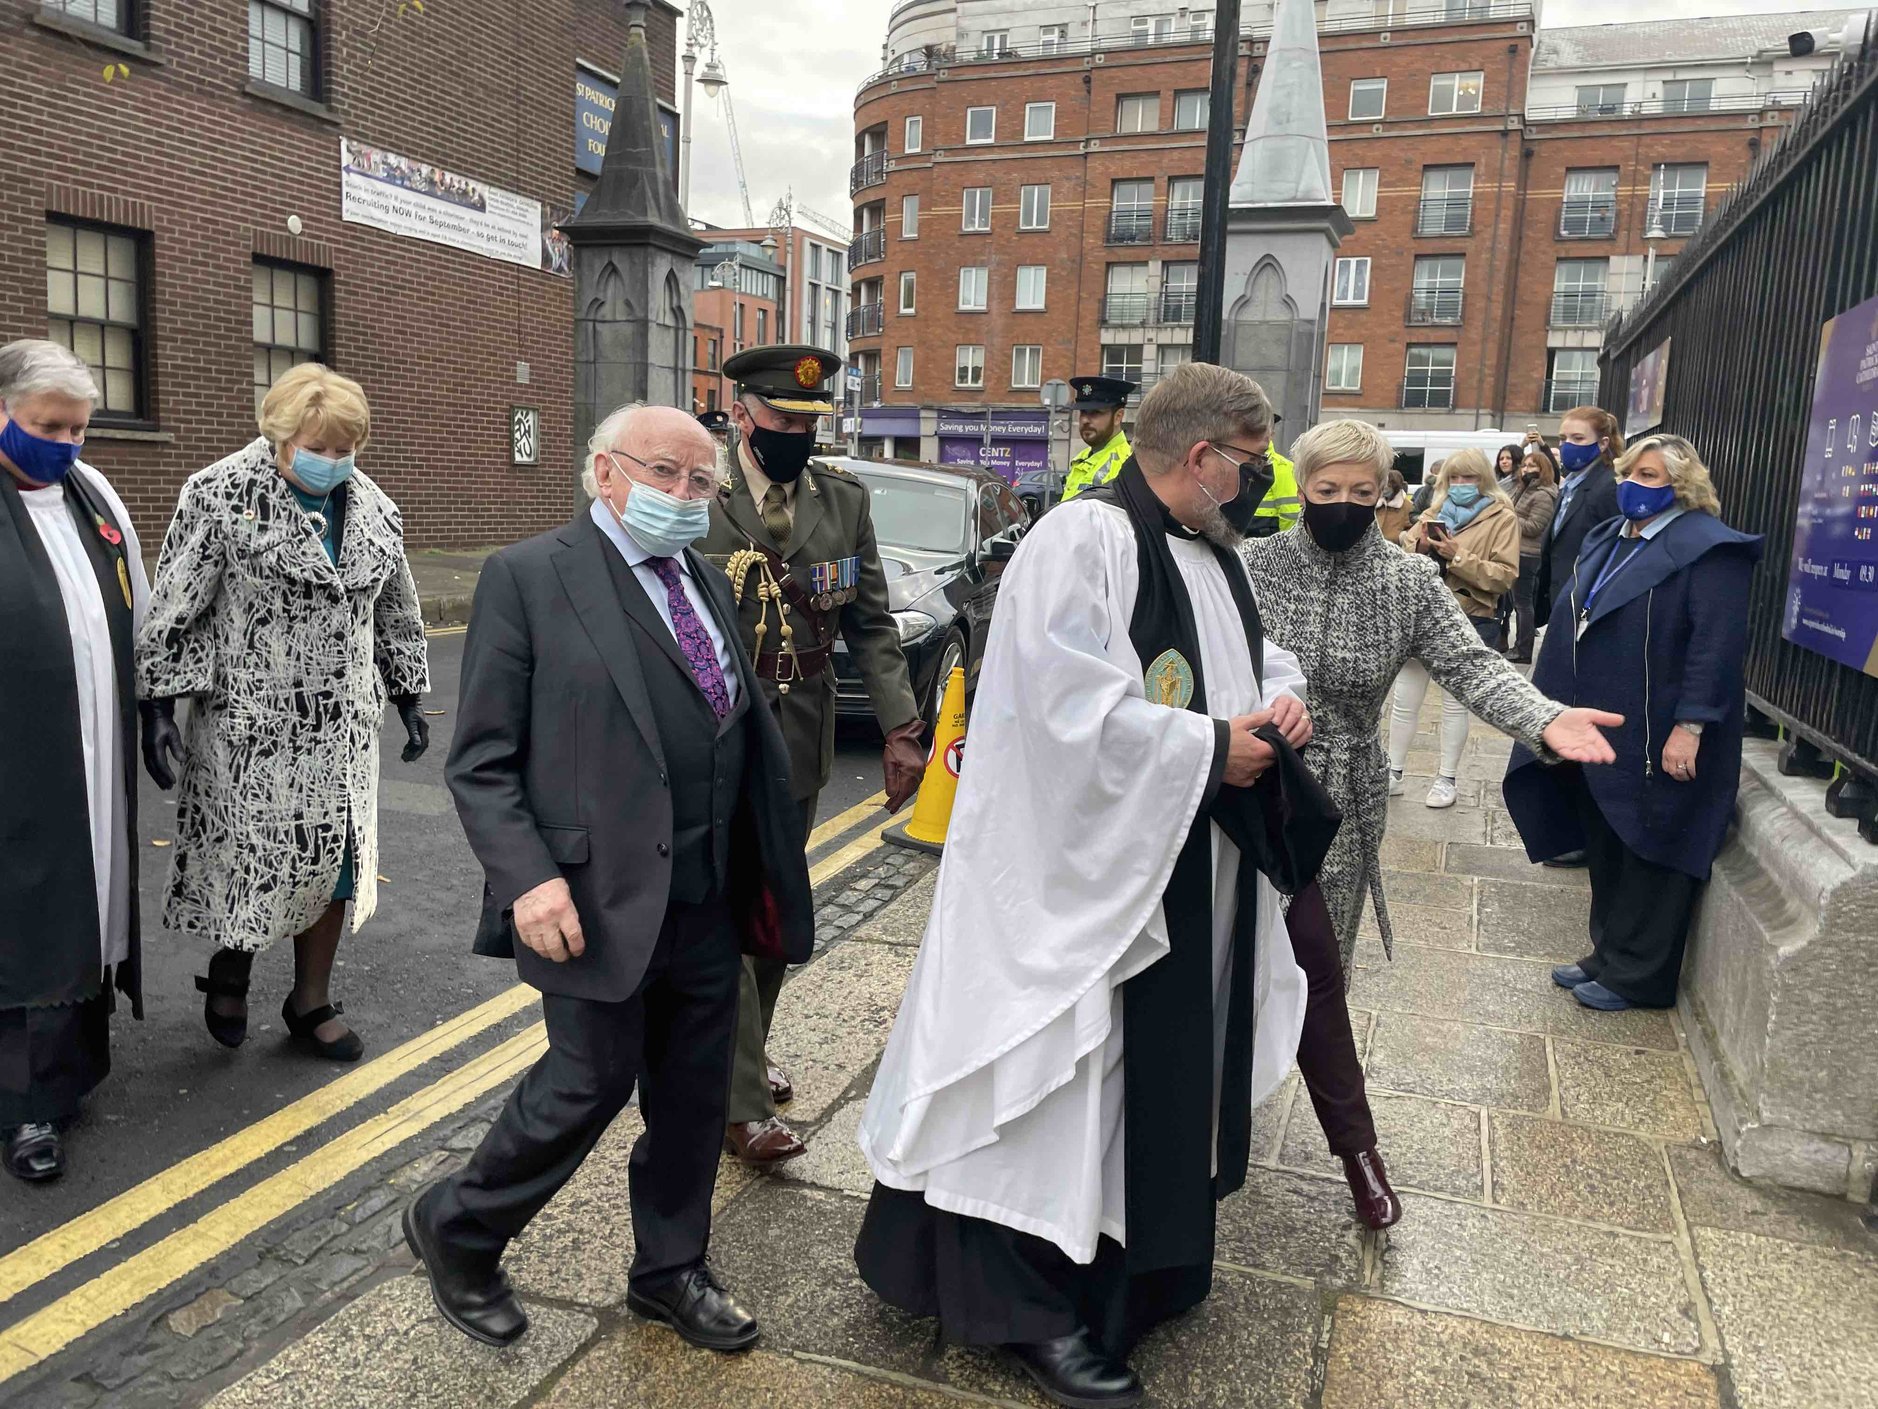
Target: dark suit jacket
{"x":1593,"y":504}
{"x":557,"y":768}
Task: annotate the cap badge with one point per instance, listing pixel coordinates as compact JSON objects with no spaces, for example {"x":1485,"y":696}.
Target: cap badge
{"x":809,"y":373}
{"x":1086,"y":390}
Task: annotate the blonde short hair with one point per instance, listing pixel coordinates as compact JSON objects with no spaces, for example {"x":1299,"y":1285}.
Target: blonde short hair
{"x":1197,"y":402}
{"x":1463,"y":462}
{"x":315,"y":398}
{"x":1342,"y":443}
{"x":1688,"y":476}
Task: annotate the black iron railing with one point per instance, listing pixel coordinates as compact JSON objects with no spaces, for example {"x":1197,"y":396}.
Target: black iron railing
{"x":1183,"y":226}
{"x":1580,"y":308}
{"x":1444,"y":215}
{"x":1433,"y":306}
{"x":1131,"y":227}
{"x":1432,"y":392}
{"x":1669,"y":107}
{"x":870,"y":170}
{"x":1795,"y":244}
{"x":1124,"y":310}
{"x":1177,"y":305}
{"x":868,"y":247}
{"x":866,"y":320}
{"x":1587,"y":217}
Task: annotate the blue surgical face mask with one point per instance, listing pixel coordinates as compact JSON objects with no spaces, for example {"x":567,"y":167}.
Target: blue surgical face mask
{"x":663,"y":524}
{"x":1463,"y":494}
{"x":1575,"y":457}
{"x":320,"y":473}
{"x":40,"y":460}
{"x":1643,"y":501}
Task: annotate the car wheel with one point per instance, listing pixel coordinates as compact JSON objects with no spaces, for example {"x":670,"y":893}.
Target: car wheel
{"x":951,"y":656}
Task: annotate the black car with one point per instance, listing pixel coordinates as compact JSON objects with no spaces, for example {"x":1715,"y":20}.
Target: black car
{"x":945,"y":533}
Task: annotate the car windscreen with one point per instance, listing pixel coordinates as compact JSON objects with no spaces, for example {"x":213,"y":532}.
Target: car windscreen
{"x":916,"y":515}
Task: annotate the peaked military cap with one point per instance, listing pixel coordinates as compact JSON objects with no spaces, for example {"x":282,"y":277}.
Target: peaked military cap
{"x":789,"y":378}
{"x":716,"y":422}
{"x":1101,"y":393}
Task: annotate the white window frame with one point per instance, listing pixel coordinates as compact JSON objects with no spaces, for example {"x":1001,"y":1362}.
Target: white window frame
{"x":990,"y":136}
{"x":1026,"y":203}
{"x":1206,"y":102}
{"x":975,"y":279}
{"x":975,"y":210}
{"x":1368,"y":85}
{"x":903,"y":368}
{"x":1456,"y":82}
{"x":909,"y":291}
{"x":1151,"y":29}
{"x":913,"y":136}
{"x":1033,"y":378}
{"x":1337,"y":369}
{"x":962,"y":364}
{"x":1358,"y":269}
{"x":1368,"y":178}
{"x":909,"y":217}
{"x":1684,"y":104}
{"x":1602,"y":106}
{"x":1046,"y":110}
{"x":1040,"y":274}
{"x":1052,"y":38}
{"x":1153,"y":112}
{"x":994,"y":43}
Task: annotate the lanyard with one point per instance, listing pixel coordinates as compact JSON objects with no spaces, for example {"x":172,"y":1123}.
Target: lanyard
{"x":1612,"y":566}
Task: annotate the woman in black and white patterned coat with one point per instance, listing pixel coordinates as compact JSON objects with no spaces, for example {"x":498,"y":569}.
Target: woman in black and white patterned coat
{"x":284,"y":608}
{"x":1355,"y":609}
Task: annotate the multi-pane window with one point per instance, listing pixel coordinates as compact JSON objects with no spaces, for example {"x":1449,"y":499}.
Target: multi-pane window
{"x":1447,"y":206}
{"x":1428,"y":383}
{"x":289,"y":322}
{"x":1657,"y":270}
{"x":762,"y":322}
{"x":981,"y":126}
{"x":1677,"y":194}
{"x":1190,"y":109}
{"x":1126,"y":299}
{"x":1344,"y":369}
{"x":968,"y":368}
{"x":1435,"y":296}
{"x":994,"y":43}
{"x":1368,"y":98}
{"x":1184,"y":195}
{"x":1122,"y":359}
{"x":1578,"y":292}
{"x":1152,"y":29}
{"x":1039,"y":122}
{"x":1352,"y":281}
{"x":95,"y":307}
{"x":915,"y":134}
{"x":1688,"y":95}
{"x":975,"y":212}
{"x":1052,"y":38}
{"x":1571,"y":378}
{"x":1600,"y":99}
{"x":909,"y":286}
{"x":1200,"y":24}
{"x":1138,"y":112}
{"x":1131,"y":212}
{"x":1033,"y":208}
{"x":1450,"y":93}
{"x":737,"y":330}
{"x":903,"y":367}
{"x":974,"y":288}
{"x":1027,"y":365}
{"x":1030,"y":285}
{"x":283,"y":44}
{"x":1590,"y":208}
{"x":106,"y":14}
{"x":1180,"y":291}
{"x":909,"y":217}
{"x":1359,"y":192}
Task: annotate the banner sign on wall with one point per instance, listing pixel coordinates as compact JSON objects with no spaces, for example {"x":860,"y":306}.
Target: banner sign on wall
{"x":595,"y":98}
{"x":1007,"y":458}
{"x":1648,"y":380}
{"x":405,"y":197}
{"x":1832,"y":587}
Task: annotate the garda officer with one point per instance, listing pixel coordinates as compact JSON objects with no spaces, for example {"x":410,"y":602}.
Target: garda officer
{"x":798,"y":544}
{"x":1281,"y":507}
{"x":1099,"y":402}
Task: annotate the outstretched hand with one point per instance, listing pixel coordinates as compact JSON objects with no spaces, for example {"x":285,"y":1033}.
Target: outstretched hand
{"x":1575,"y":735}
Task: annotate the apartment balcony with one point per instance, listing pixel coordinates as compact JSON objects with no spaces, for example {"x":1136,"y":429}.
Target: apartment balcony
{"x":1581,"y":308}
{"x":1671,"y":107}
{"x":1428,"y":393}
{"x":1125,"y":310}
{"x":1131,"y":227}
{"x":1445,"y":215}
{"x":1676,"y":215}
{"x":869,"y":247}
{"x":1183,"y":226}
{"x":870,"y":170}
{"x":1587,"y":218}
{"x":1434,"y":308}
{"x":870,"y":389}
{"x":866,"y":320}
{"x":1568,"y":393}
{"x":1177,"y":305}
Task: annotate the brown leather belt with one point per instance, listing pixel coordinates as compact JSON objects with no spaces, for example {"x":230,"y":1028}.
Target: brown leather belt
{"x":785,"y":668}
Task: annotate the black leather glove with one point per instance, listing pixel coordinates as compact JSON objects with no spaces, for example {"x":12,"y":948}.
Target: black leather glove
{"x":162,"y":741}
{"x":414,"y":726}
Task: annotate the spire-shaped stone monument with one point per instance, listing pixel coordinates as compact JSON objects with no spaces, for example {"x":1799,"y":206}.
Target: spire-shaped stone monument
{"x":633,"y":257}
{"x":1283,"y":228}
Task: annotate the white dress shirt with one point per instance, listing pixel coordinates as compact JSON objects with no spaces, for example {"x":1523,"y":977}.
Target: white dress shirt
{"x":640,"y":561}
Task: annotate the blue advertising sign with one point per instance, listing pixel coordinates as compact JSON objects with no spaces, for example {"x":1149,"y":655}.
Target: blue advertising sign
{"x":1832,"y":589}
{"x":595,"y":98}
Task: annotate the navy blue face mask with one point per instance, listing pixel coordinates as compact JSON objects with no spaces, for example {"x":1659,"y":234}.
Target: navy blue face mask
{"x":41,"y":460}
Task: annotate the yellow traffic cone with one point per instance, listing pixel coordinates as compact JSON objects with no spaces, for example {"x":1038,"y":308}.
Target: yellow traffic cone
{"x":932,"y":808}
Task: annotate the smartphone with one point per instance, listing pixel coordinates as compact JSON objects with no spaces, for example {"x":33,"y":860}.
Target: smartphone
{"x":1435,"y":529}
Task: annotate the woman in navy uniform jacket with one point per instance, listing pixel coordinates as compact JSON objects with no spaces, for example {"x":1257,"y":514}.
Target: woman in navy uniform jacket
{"x":1653,"y":626}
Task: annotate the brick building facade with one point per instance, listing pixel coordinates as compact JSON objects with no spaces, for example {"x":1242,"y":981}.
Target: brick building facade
{"x":203,"y":183}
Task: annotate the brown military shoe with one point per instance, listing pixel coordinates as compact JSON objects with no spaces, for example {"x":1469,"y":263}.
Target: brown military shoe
{"x":781,"y":1090}
{"x":762,"y":1143}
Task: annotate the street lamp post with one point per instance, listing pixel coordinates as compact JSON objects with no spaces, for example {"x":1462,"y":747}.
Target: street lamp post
{"x":700,"y":36}
{"x":1209,"y":312}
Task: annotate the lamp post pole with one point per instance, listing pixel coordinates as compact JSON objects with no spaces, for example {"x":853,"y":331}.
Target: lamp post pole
{"x":1210,"y":302}
{"x":684,"y":147}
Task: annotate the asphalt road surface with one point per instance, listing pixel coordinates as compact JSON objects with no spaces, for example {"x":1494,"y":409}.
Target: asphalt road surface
{"x":173,"y":1090}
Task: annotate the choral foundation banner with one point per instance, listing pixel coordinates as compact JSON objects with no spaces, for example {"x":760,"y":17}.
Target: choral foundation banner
{"x":405,"y":197}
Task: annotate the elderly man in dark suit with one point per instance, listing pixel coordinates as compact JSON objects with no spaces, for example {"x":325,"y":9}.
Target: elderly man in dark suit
{"x":629,"y":799}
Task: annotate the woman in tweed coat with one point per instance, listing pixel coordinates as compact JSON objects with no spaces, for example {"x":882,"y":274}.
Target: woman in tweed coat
{"x":283,"y":606}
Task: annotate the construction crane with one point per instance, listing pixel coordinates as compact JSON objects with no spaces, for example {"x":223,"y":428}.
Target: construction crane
{"x":736,"y":154}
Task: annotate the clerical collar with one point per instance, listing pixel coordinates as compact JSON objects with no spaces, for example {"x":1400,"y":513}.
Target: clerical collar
{"x":1174,"y":526}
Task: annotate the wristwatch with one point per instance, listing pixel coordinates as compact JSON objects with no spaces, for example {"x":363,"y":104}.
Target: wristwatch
{"x":1693,"y":727}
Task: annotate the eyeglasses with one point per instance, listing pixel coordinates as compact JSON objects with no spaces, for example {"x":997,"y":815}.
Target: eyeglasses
{"x":1240,"y":455}
{"x":702,"y":483}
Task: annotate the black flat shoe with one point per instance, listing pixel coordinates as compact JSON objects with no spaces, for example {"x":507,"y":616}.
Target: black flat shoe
{"x":34,"y":1153}
{"x":479,"y":1303}
{"x":301,"y":1027}
{"x":227,"y":978}
{"x":1072,"y":1372}
{"x":699,"y":1309}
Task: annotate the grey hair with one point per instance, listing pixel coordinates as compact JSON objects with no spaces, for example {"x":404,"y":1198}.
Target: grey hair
{"x":1348,"y":442}
{"x":605,"y":436}
{"x":1196,"y":402}
{"x":33,"y":365}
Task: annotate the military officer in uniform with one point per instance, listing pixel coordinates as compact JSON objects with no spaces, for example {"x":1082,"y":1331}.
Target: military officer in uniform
{"x":1098,"y":404}
{"x":798,"y":545}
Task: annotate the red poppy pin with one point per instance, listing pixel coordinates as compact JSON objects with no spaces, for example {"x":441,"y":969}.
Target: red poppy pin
{"x":109,"y":534}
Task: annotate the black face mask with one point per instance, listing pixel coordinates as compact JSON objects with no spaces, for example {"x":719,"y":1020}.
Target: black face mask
{"x":1255,"y":482}
{"x":781,"y":454}
{"x":1337,"y":528}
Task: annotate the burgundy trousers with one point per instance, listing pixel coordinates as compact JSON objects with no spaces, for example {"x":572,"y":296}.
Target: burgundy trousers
{"x":1327,"y":1048}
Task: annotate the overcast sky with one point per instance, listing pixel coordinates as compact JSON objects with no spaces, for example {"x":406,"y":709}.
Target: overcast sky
{"x":793,"y":71}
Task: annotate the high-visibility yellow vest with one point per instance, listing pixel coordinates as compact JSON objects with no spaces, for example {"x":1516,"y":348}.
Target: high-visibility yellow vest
{"x":1282,"y":502}
{"x":1097,"y":466}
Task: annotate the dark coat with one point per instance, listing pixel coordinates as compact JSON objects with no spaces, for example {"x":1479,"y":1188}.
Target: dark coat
{"x":557,"y":770}
{"x":1594,"y":503}
{"x":1665,"y":643}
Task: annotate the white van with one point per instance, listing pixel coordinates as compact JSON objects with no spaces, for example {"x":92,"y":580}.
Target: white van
{"x":1416,"y":450}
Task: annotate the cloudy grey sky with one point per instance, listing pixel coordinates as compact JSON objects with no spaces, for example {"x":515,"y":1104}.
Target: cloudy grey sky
{"x":793,"y":70}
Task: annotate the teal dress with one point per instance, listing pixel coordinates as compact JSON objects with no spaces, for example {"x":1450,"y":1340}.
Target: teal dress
{"x":321,"y":505}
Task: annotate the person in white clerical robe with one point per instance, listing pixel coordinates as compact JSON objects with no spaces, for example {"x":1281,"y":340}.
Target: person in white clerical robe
{"x":1105,"y":990}
{"x":72,"y":588}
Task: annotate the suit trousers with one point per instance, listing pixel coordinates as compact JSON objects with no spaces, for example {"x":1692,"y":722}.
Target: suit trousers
{"x":1327,"y":1057}
{"x":672,"y":1037}
{"x":762,"y":981}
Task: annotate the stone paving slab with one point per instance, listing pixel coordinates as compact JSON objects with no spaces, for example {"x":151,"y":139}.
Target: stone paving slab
{"x":1506,"y":864}
{"x":1293,"y":1224}
{"x":1714,"y":1196}
{"x":1602,"y":1176}
{"x":1427,"y":888}
{"x":828,"y":1031}
{"x":1439,"y":927}
{"x":1631,"y":1088}
{"x":1531,"y":921}
{"x":1460,"y":1062}
{"x":1431,"y":1145}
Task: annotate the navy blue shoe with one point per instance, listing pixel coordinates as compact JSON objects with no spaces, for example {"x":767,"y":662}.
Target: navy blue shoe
{"x":1569,"y":976}
{"x":1593,"y":994}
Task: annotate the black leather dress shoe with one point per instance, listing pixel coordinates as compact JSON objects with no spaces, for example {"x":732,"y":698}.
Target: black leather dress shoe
{"x":34,"y":1153}
{"x":1376,"y":1203}
{"x":1565,"y":861}
{"x":1071,"y":1371}
{"x":696,"y":1306}
{"x":478,"y":1302}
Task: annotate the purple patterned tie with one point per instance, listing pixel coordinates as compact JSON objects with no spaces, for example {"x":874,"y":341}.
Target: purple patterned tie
{"x":693,"y":639}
